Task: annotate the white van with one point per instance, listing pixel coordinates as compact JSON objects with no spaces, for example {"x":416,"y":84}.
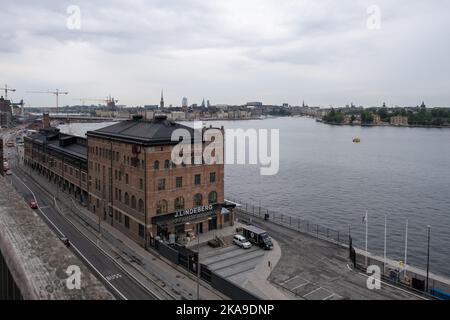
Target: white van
{"x":241,"y":241}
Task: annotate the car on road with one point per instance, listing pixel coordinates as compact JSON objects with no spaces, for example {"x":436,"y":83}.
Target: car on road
{"x":33,"y":205}
{"x":65,"y":241}
{"x":241,"y":241}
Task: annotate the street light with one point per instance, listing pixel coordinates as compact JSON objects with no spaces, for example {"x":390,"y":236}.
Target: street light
{"x":428,"y":256}
{"x":198,"y":263}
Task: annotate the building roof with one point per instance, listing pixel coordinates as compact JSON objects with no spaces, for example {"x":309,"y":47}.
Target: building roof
{"x":72,"y":146}
{"x":147,"y":132}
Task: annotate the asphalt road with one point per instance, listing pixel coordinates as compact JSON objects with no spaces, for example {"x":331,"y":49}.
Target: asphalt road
{"x":119,"y":282}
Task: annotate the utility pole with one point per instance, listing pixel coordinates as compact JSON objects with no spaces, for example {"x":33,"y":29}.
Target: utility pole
{"x":428,"y":257}
{"x":6,"y":89}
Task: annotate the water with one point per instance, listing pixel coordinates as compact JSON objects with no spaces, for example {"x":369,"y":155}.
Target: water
{"x":403,"y":173}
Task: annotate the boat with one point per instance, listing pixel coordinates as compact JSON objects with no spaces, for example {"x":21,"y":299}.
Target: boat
{"x":356,"y":140}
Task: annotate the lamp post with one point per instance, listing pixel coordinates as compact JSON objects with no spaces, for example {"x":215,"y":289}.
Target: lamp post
{"x":428,"y":256}
{"x":198,"y":263}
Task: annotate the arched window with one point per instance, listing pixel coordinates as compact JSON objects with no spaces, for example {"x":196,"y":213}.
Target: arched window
{"x":127,"y":199}
{"x":179,"y":203}
{"x":141,"y":206}
{"x":198,"y":200}
{"x":212,"y":197}
{"x":156,"y":165}
{"x":161,"y":207}
{"x":166,"y":164}
{"x":133,"y":202}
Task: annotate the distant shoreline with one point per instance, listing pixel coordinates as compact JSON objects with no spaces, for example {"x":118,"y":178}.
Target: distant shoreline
{"x":384,"y":125}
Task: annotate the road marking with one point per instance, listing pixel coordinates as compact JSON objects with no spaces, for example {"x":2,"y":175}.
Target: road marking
{"x":303,"y":284}
{"x":312,"y":292}
{"x":73,"y":246}
{"x":288,"y":280}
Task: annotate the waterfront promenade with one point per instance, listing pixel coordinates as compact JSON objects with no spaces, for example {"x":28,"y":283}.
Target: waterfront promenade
{"x":319,"y":269}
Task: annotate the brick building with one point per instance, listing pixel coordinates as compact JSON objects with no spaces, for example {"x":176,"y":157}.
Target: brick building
{"x":399,"y":121}
{"x":132,"y":182}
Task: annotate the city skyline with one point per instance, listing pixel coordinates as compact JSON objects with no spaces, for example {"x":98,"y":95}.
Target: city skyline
{"x":230,"y":52}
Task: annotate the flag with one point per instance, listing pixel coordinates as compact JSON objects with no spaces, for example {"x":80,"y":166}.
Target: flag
{"x":364,"y":218}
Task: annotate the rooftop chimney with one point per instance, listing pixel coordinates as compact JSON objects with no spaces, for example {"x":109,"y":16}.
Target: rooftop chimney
{"x":46,"y":120}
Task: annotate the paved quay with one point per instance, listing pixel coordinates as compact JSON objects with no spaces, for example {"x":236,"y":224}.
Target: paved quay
{"x":314,"y":269}
{"x":247,"y":268}
{"x":35,"y":257}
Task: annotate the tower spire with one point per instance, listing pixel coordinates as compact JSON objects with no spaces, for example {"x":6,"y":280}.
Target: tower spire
{"x":161,"y":104}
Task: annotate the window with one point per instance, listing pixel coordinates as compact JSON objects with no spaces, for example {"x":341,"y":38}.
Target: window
{"x":120,"y":217}
{"x":212,"y":197}
{"x":120,"y":195}
{"x":116,"y":192}
{"x":141,"y":206}
{"x":212,"y":177}
{"x":133,"y":202}
{"x":141,"y":184}
{"x":127,"y":222}
{"x":197,"y":179}
{"x":126,"y":178}
{"x":115,"y":174}
{"x":83,"y":177}
{"x":161,"y":184}
{"x":141,"y":231}
{"x":166,"y":164}
{"x":161,"y":207}
{"x":127,"y":199}
{"x":198,"y":200}
{"x":179,"y":203}
{"x":156,"y":165}
{"x":179,"y":182}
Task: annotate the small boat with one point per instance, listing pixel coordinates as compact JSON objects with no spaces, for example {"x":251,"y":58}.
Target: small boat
{"x":356,"y":140}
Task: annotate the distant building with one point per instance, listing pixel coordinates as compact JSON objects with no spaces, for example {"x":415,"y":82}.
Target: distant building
{"x":161,"y":103}
{"x":399,"y":121}
{"x":184,"y":102}
{"x":5,"y":112}
{"x":376,"y":119}
{"x":254,"y":104}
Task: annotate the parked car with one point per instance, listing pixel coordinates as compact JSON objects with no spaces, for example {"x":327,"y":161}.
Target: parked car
{"x":33,"y":205}
{"x":258,"y":236}
{"x":8,"y":172}
{"x":241,"y":241}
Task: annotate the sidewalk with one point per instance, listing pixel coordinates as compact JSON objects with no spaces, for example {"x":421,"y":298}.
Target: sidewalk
{"x":146,"y":266}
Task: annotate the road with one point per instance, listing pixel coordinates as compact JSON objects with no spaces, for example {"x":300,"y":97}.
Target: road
{"x":118,"y":281}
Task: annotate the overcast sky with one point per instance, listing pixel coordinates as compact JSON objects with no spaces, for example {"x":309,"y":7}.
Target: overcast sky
{"x":228,"y":51}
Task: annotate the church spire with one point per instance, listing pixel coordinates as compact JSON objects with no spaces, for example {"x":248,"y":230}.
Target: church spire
{"x":161,"y":104}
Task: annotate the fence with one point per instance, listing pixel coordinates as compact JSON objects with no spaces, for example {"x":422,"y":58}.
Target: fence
{"x":293,"y":222}
{"x":188,"y":259}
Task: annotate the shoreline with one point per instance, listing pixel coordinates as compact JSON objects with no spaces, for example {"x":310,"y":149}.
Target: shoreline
{"x":383,"y":125}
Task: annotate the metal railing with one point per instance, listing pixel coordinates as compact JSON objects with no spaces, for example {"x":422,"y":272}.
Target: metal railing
{"x":293,"y":222}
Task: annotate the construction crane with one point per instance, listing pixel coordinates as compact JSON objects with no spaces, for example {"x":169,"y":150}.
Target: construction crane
{"x":57,"y":92}
{"x":109,"y":100}
{"x":6,"y":89}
